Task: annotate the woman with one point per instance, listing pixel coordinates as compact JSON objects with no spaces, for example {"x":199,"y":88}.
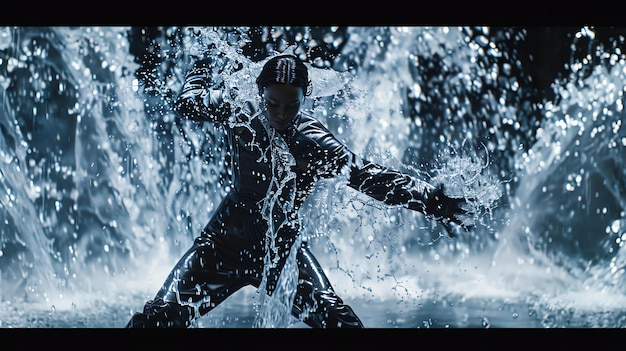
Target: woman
{"x":278,"y":154}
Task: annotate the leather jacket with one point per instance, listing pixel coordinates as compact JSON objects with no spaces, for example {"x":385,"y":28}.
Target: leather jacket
{"x":316,"y":151}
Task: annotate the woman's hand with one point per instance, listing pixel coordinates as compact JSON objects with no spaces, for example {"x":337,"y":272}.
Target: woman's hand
{"x":444,"y":208}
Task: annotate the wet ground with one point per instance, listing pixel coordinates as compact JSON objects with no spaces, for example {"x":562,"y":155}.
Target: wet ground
{"x":238,"y":312}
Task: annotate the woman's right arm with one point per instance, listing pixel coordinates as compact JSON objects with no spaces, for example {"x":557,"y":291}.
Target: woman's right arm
{"x":199,"y":101}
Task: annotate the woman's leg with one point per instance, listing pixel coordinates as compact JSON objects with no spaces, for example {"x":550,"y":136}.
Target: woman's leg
{"x":201,"y":280}
{"x":316,"y":299}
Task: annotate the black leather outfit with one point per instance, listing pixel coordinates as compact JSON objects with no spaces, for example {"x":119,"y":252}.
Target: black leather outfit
{"x":228,"y":254}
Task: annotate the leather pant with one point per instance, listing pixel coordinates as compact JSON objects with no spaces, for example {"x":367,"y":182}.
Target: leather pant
{"x":211,"y":270}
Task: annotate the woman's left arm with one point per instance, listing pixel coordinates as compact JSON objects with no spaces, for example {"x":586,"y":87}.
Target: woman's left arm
{"x":316,"y":146}
{"x":396,"y":188}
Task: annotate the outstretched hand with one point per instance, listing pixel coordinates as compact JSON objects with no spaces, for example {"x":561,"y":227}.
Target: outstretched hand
{"x":445,"y":208}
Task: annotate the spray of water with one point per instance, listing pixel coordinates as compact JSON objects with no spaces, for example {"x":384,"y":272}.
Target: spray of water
{"x":467,"y":176}
{"x":101,"y":194}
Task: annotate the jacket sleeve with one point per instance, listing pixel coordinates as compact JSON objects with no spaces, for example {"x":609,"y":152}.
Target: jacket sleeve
{"x":390,"y":186}
{"x":199,"y":101}
{"x":316,"y":145}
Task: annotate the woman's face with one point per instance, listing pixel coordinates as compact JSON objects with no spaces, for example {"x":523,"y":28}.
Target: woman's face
{"x":283,"y":103}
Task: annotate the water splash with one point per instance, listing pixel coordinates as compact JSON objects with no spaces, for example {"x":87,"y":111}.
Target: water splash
{"x":275,"y":311}
{"x":467,"y":176}
{"x":101,"y":193}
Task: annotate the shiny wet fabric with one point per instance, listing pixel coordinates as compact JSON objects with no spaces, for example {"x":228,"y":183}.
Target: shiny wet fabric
{"x":229,"y":253}
{"x":210,"y":272}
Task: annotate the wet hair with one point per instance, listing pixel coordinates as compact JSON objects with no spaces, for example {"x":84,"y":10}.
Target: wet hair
{"x":285,"y":69}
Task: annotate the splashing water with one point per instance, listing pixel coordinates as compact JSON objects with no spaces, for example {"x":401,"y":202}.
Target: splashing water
{"x":103,"y":190}
{"x":274,"y":312}
{"x":465,"y":176}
